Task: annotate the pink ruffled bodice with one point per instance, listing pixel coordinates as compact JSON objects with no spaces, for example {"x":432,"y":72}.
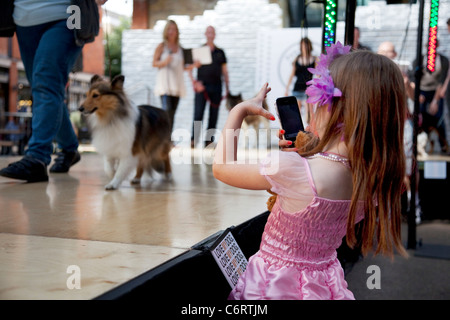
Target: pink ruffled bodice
{"x":297,"y":257}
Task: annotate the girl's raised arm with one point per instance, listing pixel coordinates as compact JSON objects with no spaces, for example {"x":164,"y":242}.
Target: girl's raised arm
{"x":226,"y":168}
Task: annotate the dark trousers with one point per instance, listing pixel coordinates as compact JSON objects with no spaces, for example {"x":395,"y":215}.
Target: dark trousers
{"x":48,"y":53}
{"x":212,"y":95}
{"x":437,"y":120}
{"x":170,"y":104}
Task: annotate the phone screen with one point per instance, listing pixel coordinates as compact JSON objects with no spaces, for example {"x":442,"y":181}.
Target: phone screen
{"x":290,"y":118}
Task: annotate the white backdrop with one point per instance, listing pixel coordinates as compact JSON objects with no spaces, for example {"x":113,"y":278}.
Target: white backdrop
{"x":276,"y":51}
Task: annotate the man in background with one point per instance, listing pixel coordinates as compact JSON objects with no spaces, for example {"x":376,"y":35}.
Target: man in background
{"x":208,"y":86}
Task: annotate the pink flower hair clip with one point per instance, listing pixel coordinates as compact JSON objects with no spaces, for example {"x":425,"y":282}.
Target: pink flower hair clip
{"x":321,"y":90}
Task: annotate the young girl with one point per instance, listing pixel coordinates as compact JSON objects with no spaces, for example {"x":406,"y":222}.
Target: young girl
{"x":354,"y":172}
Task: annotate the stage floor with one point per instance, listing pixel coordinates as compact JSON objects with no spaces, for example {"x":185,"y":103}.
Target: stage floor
{"x":53,"y":234}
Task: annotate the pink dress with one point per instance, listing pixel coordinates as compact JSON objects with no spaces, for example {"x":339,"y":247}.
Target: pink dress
{"x":297,"y":258}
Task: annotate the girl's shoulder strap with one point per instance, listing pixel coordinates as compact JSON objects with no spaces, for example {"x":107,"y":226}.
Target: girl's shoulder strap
{"x":289,"y":174}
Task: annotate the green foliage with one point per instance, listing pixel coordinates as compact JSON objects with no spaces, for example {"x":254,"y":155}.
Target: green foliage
{"x":113,"y":48}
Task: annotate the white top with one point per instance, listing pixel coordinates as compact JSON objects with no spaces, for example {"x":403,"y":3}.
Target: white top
{"x":170,"y":79}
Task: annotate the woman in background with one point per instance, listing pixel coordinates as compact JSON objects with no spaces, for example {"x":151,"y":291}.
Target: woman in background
{"x":300,"y":66}
{"x":169,"y":60}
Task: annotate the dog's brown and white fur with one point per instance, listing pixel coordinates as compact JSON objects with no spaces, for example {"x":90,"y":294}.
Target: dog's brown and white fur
{"x":129,"y":137}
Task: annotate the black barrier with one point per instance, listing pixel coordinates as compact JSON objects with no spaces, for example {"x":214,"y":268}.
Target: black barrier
{"x":195,"y":275}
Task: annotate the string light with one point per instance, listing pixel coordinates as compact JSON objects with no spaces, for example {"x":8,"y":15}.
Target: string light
{"x":329,"y":32}
{"x":432,"y":36}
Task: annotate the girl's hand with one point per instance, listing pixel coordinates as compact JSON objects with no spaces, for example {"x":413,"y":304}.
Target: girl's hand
{"x":285,"y":145}
{"x":225,"y":166}
{"x":254,"y":106}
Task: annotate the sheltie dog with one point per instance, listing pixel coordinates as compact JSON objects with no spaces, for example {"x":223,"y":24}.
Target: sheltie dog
{"x":129,"y":137}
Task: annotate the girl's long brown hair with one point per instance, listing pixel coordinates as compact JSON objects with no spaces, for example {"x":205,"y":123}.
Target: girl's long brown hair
{"x":372,"y":110}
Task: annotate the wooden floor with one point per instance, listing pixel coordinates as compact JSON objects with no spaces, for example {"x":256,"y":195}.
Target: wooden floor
{"x":51,"y":232}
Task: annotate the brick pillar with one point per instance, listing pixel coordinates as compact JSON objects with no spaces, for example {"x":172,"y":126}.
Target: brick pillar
{"x":94,"y":53}
{"x":13,"y":89}
{"x":13,"y":74}
{"x":140,"y":14}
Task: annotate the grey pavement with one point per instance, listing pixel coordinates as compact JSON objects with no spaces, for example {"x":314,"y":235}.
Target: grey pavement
{"x":424,"y":275}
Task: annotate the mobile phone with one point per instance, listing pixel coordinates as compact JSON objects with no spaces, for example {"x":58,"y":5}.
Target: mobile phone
{"x":290,"y":117}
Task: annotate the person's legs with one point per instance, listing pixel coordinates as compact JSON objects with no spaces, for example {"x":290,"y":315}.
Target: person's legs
{"x":199,"y":110}
{"x":427,"y":119}
{"x":173,"y":107}
{"x":48,"y":52}
{"x":440,"y":126}
{"x":215,"y":98}
{"x":48,"y":69}
{"x":434,"y":121}
{"x":170,"y":104}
